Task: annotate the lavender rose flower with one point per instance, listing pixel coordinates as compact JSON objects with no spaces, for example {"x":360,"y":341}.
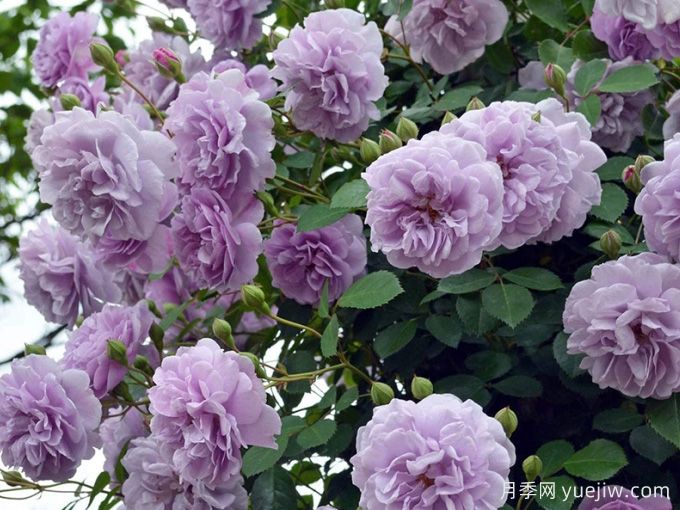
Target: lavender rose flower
{"x":643,"y":12}
{"x":154,"y":483}
{"x":332,"y":74}
{"x":659,"y":203}
{"x":439,"y":453}
{"x":619,"y":123}
{"x":63,"y":49}
{"x":672,"y":124}
{"x":147,"y":256}
{"x":450,"y":35}
{"x":223,"y":134}
{"x":117,"y":432}
{"x":142,"y":71}
{"x":258,"y":77}
{"x":128,"y":106}
{"x":435,"y":203}
{"x":105,"y":177}
{"x":86,"y":348}
{"x":91,"y":95}
{"x":626,"y":321}
{"x":207,"y":404}
{"x":229,"y":24}
{"x":48,"y":419}
{"x":623,"y":38}
{"x":611,"y":497}
{"x":666,"y":38}
{"x":302,"y":262}
{"x":35,"y":126}
{"x":61,"y":275}
{"x":216,"y":245}
{"x":539,"y":156}
{"x":532,"y":76}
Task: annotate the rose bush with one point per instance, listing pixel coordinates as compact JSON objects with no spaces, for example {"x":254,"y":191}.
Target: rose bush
{"x":398,"y":255}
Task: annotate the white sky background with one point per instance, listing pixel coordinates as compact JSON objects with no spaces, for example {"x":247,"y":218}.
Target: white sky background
{"x":20,"y":323}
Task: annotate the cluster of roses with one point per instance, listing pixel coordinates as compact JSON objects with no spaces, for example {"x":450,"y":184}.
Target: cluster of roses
{"x":135,"y":194}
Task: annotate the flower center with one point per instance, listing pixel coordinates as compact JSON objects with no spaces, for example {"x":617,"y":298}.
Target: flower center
{"x":426,"y":481}
{"x":640,"y":336}
{"x":505,"y":167}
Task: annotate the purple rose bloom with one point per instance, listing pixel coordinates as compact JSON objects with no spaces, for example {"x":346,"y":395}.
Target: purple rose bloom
{"x":86,"y":348}
{"x":659,"y":202}
{"x":223,"y":134}
{"x":438,"y":453}
{"x":206,"y":405}
{"x":626,"y":321}
{"x":104,"y":177}
{"x":666,"y":38}
{"x":302,"y":262}
{"x":539,"y":158}
{"x":48,"y":418}
{"x":258,"y":77}
{"x":155,"y":483}
{"x":91,"y":95}
{"x":229,"y":24}
{"x":642,"y":12}
{"x":612,"y":497}
{"x":148,"y":256}
{"x":450,"y":35}
{"x":175,"y":4}
{"x":61,"y":275}
{"x":623,"y":38}
{"x":332,"y":74}
{"x":620,"y":121}
{"x":117,"y":432}
{"x":35,"y":126}
{"x":128,"y":106}
{"x":216,"y":245}
{"x":532,"y":76}
{"x":672,"y":123}
{"x":63,"y":49}
{"x":142,"y":71}
{"x":435,"y":203}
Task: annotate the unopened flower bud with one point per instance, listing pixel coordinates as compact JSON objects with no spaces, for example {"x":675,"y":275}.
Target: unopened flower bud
{"x":389,"y":141}
{"x":256,"y":363}
{"x":421,"y":387}
{"x":642,"y":161}
{"x":254,"y":299}
{"x":555,"y":78}
{"x":335,"y":4}
{"x":381,"y":393}
{"x":448,"y":117}
{"x":69,"y":101}
{"x":103,"y":56}
{"x":168,"y":64}
{"x":16,"y":479}
{"x":631,"y":179}
{"x":610,"y":242}
{"x":156,"y":24}
{"x":532,"y":466}
{"x":117,"y":351}
{"x":508,"y":419}
{"x":475,"y":104}
{"x":268,"y":201}
{"x":142,"y":363}
{"x":406,"y":129}
{"x":156,"y":334}
{"x":369,"y":150}
{"x":34,"y":349}
{"x":222,"y":330}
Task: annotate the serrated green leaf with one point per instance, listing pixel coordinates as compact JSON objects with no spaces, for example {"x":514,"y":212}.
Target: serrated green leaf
{"x":371,"y":291}
{"x":588,"y":75}
{"x":550,"y":51}
{"x":300,"y":159}
{"x":475,"y":319}
{"x":448,"y":330}
{"x":520,"y":386}
{"x":591,"y":109}
{"x":509,"y":303}
{"x":318,"y":216}
{"x":630,"y":79}
{"x":489,"y":365}
{"x":329,"y":338}
{"x":664,"y":417}
{"x":351,"y":195}
{"x":394,"y":338}
{"x":553,"y":455}
{"x":551,"y":12}
{"x":587,"y":47}
{"x":535,"y":278}
{"x":469,"y":281}
{"x":457,"y":98}
{"x":645,"y":441}
{"x":258,"y":459}
{"x":613,"y":204}
{"x":600,"y":460}
{"x":568,"y":362}
{"x":274,"y":490}
{"x":613,"y":168}
{"x":464,"y":386}
{"x":347,"y":399}
{"x":317,"y":434}
{"x":616,"y":421}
